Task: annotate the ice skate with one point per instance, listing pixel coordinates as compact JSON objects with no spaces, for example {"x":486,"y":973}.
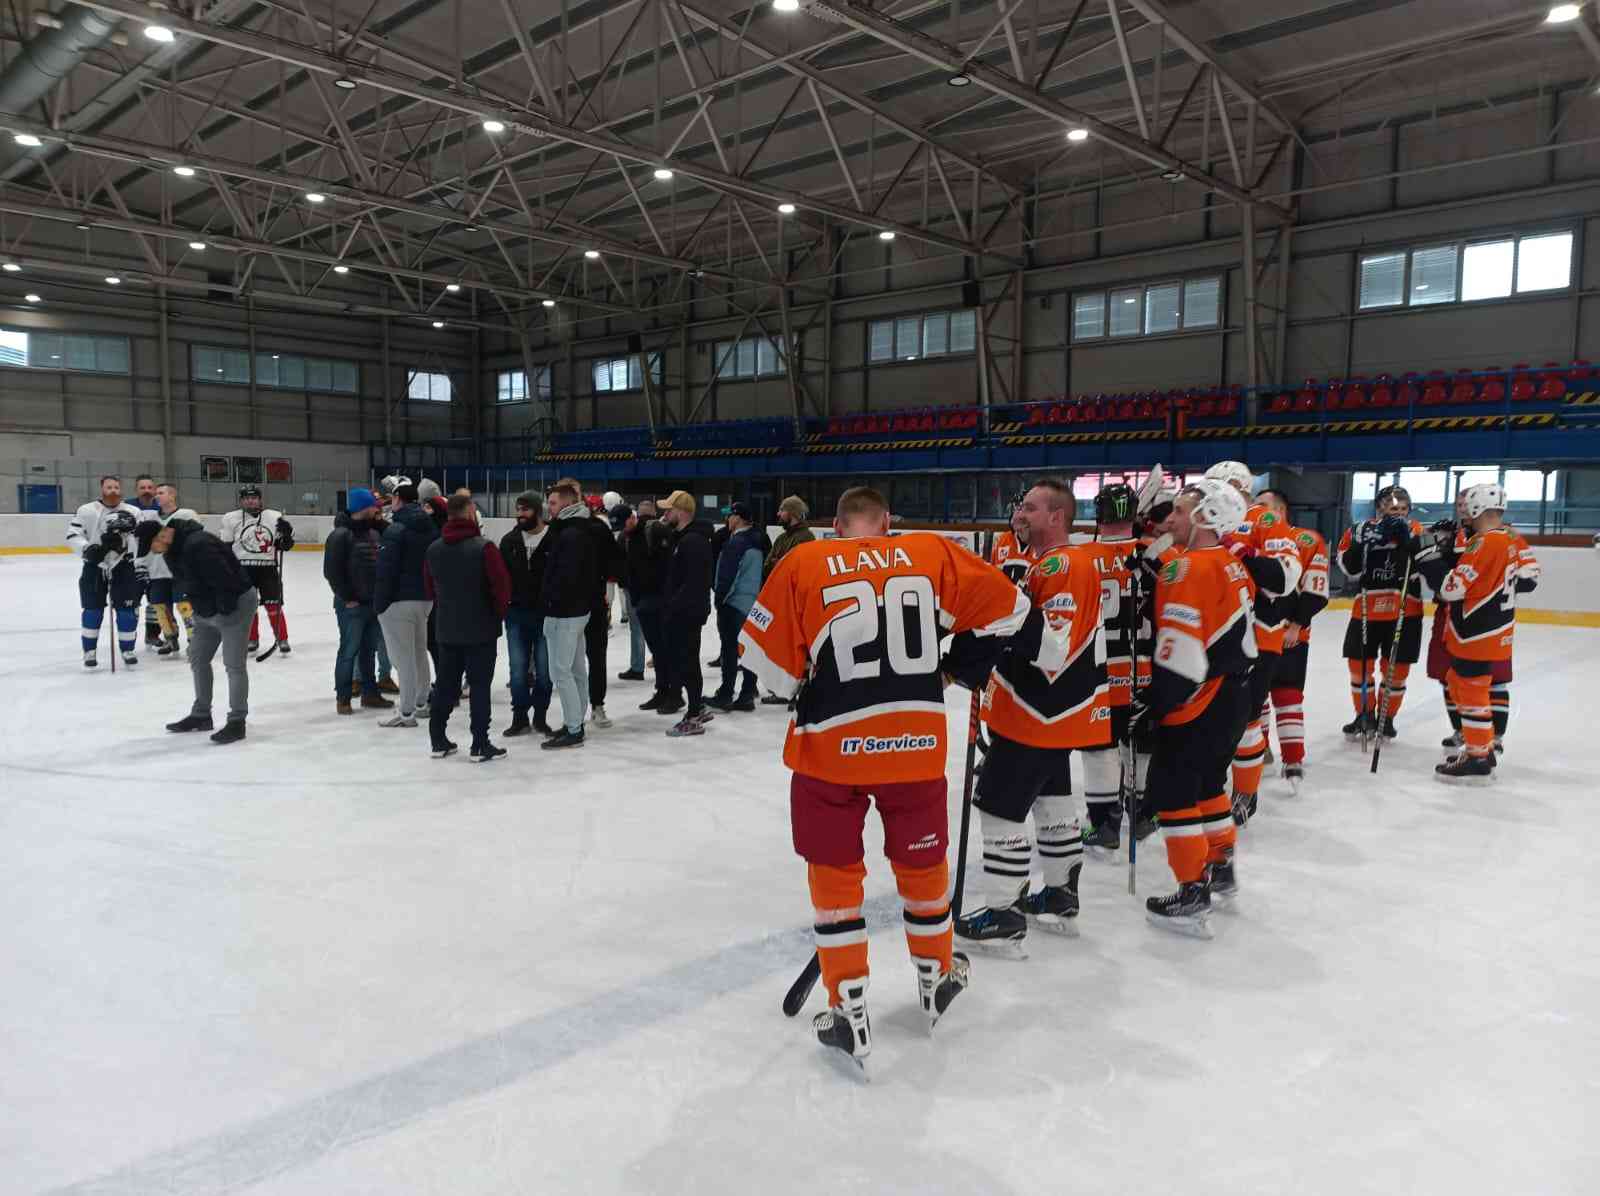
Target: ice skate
{"x":996,"y":932}
{"x":1358,"y":728}
{"x":1386,"y":727}
{"x":130,"y":659}
{"x":845,"y":1027}
{"x":936,"y":990}
{"x":1294,"y":774}
{"x":90,"y":660}
{"x":1453,"y":742}
{"x":252,"y":646}
{"x":1188,"y":911}
{"x":1465,"y":769}
{"x":1104,"y":841}
{"x":1055,"y":907}
{"x":1224,"y":885}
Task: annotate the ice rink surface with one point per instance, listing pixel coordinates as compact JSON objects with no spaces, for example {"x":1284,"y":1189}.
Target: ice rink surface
{"x":320,"y":962}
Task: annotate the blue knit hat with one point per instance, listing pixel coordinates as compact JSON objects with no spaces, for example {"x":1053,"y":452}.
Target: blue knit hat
{"x":360,"y":499}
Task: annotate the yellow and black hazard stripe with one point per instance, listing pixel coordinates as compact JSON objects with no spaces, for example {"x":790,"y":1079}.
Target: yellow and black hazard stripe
{"x":1084,"y":437}
{"x":764,"y":450}
{"x":883,"y":446}
{"x":625,"y":456}
{"x":1584,"y":398}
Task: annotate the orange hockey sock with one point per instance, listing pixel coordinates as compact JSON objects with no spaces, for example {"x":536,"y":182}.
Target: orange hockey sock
{"x":1471,"y":696}
{"x":841,"y":931}
{"x":1217,"y":822}
{"x":1393,"y":689}
{"x":1361,"y":671}
{"x":1250,"y":756}
{"x":926,"y":894}
{"x":1184,"y":831}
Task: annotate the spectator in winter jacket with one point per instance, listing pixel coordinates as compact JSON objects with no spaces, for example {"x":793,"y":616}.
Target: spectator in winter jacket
{"x":608,"y":567}
{"x":524,"y":552}
{"x":350,"y":566}
{"x":401,"y":603}
{"x":570,"y":569}
{"x":792,"y":513}
{"x":464,"y":575}
{"x":685,"y":606}
{"x":643,"y":563}
{"x":224,"y":601}
{"x":737,"y":584}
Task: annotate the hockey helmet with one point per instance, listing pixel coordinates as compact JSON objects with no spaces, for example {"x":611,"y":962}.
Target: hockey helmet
{"x":612,"y":500}
{"x":1393,"y":495}
{"x":1115,"y":503}
{"x":592,"y":501}
{"x":249,"y":491}
{"x":1236,"y":473}
{"x":1219,"y":507}
{"x":1485,"y":496}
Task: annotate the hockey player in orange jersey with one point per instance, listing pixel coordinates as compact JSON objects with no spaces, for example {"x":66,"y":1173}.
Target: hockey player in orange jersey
{"x":1012,"y":551}
{"x":1262,"y":543}
{"x":1289,"y":680}
{"x":1482,"y":592}
{"x":1048,"y":695}
{"x":851,"y":628}
{"x":1199,"y":700}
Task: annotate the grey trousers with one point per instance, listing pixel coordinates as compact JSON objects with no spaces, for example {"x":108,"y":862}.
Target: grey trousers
{"x":232,"y":633}
{"x":405,"y":632}
{"x":569,"y":667}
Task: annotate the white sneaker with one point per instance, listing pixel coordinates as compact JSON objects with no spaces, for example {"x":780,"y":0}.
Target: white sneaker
{"x":421,"y":711}
{"x":398,"y":720}
{"x":599,"y":717}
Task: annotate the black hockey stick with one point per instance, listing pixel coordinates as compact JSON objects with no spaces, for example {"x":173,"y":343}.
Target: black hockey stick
{"x":1126,"y":754}
{"x":111,"y":622}
{"x":1388,"y":668}
{"x":1366,"y":601}
{"x":278,"y":565}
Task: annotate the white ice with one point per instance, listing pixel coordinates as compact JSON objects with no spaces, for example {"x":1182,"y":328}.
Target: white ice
{"x":320,"y":962}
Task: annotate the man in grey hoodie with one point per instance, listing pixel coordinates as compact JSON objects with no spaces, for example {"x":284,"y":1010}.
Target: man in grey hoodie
{"x":737,"y":584}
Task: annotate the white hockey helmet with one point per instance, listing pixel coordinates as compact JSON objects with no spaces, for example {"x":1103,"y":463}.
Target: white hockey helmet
{"x":1220,"y":508}
{"x":1485,"y":496}
{"x":611,"y":500}
{"x":1236,"y":473}
{"x":1151,"y":490}
{"x":392,"y":483}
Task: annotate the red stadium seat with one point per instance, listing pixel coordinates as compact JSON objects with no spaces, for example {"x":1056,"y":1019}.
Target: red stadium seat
{"x":1464,"y":389}
{"x":1493,"y":389}
{"x":1306,"y":398}
{"x":1552,"y":383}
{"x":1409,"y":392}
{"x":1382,"y":394}
{"x":1356,"y":394}
{"x":1435,"y":390}
{"x":1309,"y":399}
{"x":1523,"y":387}
{"x":1278,"y":404}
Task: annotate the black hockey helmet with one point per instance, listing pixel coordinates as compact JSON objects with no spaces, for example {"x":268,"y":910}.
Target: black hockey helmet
{"x":1393,"y":494}
{"x":249,"y":491}
{"x":1116,"y":503}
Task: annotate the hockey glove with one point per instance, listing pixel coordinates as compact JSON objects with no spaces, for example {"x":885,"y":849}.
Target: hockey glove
{"x":94,"y":554}
{"x":1142,"y":724}
{"x":111,"y":541}
{"x":1240,"y":548}
{"x":285,"y":537}
{"x":1372,"y":534}
{"x":1395,"y":529}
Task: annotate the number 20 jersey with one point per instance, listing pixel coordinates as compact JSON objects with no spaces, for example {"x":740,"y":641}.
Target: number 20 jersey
{"x":859,"y":622}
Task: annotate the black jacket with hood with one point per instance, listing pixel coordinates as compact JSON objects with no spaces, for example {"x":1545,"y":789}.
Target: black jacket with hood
{"x":350,"y":558}
{"x":205,"y":569}
{"x":686,"y":592}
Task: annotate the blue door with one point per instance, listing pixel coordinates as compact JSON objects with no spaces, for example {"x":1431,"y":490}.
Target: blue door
{"x":38,"y":500}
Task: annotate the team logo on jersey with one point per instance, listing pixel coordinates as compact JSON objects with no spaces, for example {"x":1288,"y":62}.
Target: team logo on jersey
{"x":1177,"y":612}
{"x":1175,"y":571}
{"x":1306,"y":539}
{"x":1051,"y":565}
{"x":872,"y":745}
{"x":760,"y":617}
{"x":1268,"y":519}
{"x":255,"y":539}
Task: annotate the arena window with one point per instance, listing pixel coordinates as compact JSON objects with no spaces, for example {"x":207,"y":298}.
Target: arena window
{"x":289,"y":371}
{"x":64,"y":351}
{"x":428,"y":388}
{"x":1155,"y":309}
{"x":932,"y":334}
{"x":612,"y":374}
{"x":752,"y":357}
{"x":511,"y":386}
{"x":1466,"y":271}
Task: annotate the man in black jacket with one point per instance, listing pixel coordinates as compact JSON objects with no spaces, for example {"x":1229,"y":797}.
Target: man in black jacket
{"x":685,"y":606}
{"x":523,"y":549}
{"x":644,"y":549}
{"x":402,"y":606}
{"x":350,"y":567}
{"x":608,"y":566}
{"x":463,"y":574}
{"x":569,"y":571}
{"x":224,"y":602}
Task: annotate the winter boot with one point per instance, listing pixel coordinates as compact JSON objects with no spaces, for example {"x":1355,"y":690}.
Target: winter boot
{"x":191,"y":722}
{"x":232,"y":732}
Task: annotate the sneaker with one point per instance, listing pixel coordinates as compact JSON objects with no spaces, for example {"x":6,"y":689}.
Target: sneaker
{"x":191,"y":722}
{"x":421,"y":711}
{"x":232,"y":732}
{"x":1466,"y":769}
{"x":483,"y":753}
{"x":686,"y":726}
{"x":668,"y":706}
{"x":654,"y":700}
{"x":630,"y":675}
{"x":935,"y":989}
{"x":441,"y":750}
{"x":564,"y":739}
{"x":376,"y":702}
{"x":599,"y":717}
{"x":402,"y":719}
{"x":744,"y":705}
{"x":701,"y":716}
{"x":718,"y":702}
{"x":773,"y":700}
{"x":845,"y":1027}
{"x":1188,"y":911}
{"x":519,"y":725}
{"x":540,"y":725}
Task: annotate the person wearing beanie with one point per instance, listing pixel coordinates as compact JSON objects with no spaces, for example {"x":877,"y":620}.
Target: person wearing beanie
{"x":350,"y":567}
{"x":224,"y":601}
{"x":792,"y":514}
{"x":432,"y":501}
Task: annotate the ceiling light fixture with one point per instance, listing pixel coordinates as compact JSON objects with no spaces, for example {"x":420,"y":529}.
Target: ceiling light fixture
{"x":1172,"y":174}
{"x":452,"y":287}
{"x":158,"y":33}
{"x":548,"y":302}
{"x":198,"y":246}
{"x":83,"y":228}
{"x":274,"y":357}
{"x":1079,"y":134}
{"x":785,"y":5}
{"x":27,"y":139}
{"x":786,"y":209}
{"x":886,"y":234}
{"x":345,"y":83}
{"x":31,"y":298}
{"x":315,"y":197}
{"x":959,"y":79}
{"x":10,"y":267}
{"x":494,"y":126}
{"x":341,"y":269}
{"x":183,"y":172}
{"x":591,"y":254}
{"x":1561,"y":13}
{"x":663,"y":175}
{"x":438,"y":323}
{"x":113,"y":280}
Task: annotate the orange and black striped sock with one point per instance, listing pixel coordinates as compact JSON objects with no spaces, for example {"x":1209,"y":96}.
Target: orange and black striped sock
{"x":1220,"y":831}
{"x":1393,"y":689}
{"x":1477,"y":723}
{"x":1250,"y":756}
{"x":925,"y":893}
{"x":1361,"y":680}
{"x":841,"y":930}
{"x":1185,"y":834}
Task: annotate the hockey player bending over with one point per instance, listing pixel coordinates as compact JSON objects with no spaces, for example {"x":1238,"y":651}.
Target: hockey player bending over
{"x":1047,"y":696}
{"x":1198,"y":700}
{"x":102,"y":534}
{"x":258,"y":535}
{"x":852,"y":626}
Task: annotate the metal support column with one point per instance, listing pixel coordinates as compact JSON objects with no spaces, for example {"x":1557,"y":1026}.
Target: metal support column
{"x":1280,"y":364}
{"x":388,"y":407}
{"x":169,"y":458}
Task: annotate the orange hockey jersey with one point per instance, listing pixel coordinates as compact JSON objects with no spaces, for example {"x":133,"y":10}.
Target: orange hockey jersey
{"x":1311,"y":595}
{"x":1049,"y":689}
{"x":1011,"y":556}
{"x":1276,"y":577}
{"x":853,"y":626}
{"x":1482,"y":591}
{"x":1117,"y":614}
{"x":1205,"y":631}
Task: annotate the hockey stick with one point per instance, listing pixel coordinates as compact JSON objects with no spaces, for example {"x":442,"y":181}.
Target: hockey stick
{"x":1388,"y":668}
{"x":1366,"y":739}
{"x":278,"y":565}
{"x":1125,"y":750}
{"x":111,"y":621}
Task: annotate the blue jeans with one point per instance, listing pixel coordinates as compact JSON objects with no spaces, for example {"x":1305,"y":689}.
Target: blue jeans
{"x":569,"y":667}
{"x":359,"y":641}
{"x":528,"y":654}
{"x":647,"y":619}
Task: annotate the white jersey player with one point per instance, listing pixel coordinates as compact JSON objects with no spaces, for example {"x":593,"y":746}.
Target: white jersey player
{"x":101,"y":533}
{"x":258,"y":534}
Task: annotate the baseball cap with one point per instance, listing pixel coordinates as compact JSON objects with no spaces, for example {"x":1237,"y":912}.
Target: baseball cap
{"x":682,"y":500}
{"x":743,"y":511}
